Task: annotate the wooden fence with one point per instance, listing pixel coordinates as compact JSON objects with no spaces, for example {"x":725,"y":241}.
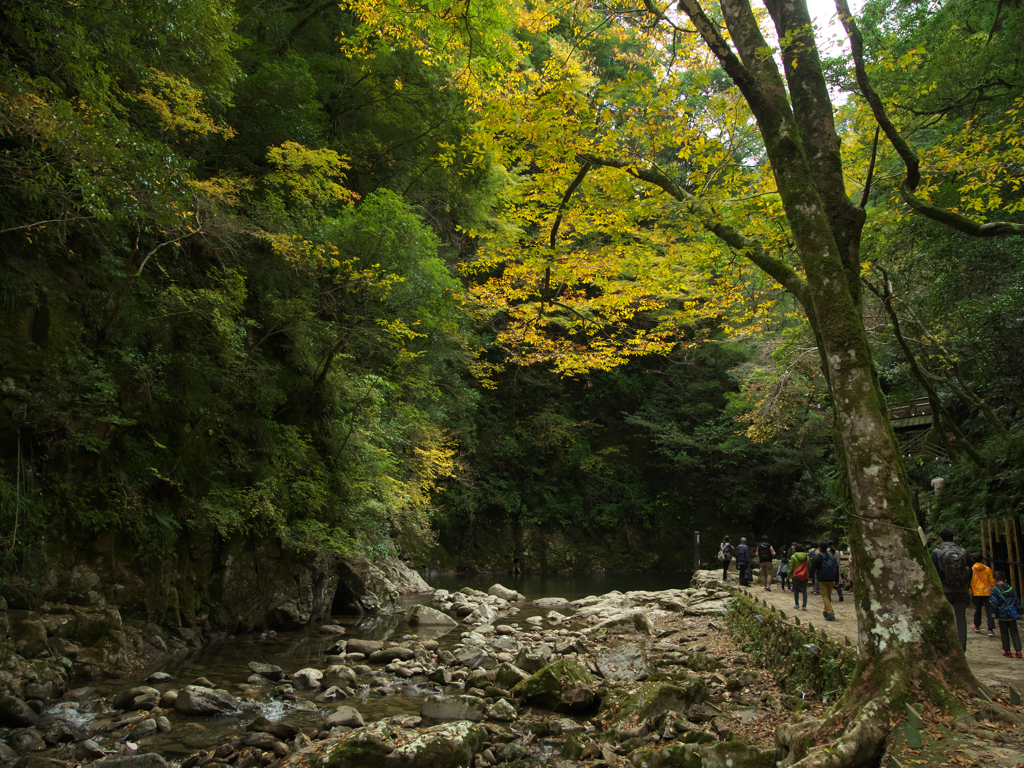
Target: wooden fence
{"x":1001,"y":548}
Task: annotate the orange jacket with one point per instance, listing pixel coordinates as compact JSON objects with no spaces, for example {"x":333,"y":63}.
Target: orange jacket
{"x":982,"y":580}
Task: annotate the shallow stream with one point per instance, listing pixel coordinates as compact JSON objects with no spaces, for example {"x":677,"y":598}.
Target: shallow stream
{"x":226,"y":665}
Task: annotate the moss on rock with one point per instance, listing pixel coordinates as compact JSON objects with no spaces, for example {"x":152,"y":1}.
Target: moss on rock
{"x":563,"y":686}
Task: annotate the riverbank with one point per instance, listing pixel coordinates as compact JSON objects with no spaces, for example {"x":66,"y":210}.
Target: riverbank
{"x":626,"y":679}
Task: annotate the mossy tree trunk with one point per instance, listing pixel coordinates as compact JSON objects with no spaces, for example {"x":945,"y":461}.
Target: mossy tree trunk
{"x":908,"y":645}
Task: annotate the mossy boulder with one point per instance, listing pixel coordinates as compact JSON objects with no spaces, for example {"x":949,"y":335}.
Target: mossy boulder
{"x":563,"y":686}
{"x":725,"y":754}
{"x":443,"y":745}
{"x":650,"y":701}
{"x":507,"y":676}
{"x":364,"y":747}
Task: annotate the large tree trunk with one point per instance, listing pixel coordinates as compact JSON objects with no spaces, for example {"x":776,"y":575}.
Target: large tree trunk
{"x":908,"y":644}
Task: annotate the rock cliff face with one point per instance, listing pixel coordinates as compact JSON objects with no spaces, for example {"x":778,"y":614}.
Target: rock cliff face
{"x":85,"y":613}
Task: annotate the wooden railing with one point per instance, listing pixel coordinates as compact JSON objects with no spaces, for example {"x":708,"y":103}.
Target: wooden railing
{"x":1001,"y":548}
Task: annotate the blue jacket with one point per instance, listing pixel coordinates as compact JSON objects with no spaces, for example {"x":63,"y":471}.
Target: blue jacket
{"x":742,"y":554}
{"x":1001,"y":598}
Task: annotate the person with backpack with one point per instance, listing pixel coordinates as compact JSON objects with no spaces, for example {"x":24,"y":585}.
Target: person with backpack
{"x":743,"y":562}
{"x":765,"y":553}
{"x":725,"y":555}
{"x":982,"y":581}
{"x":839,"y":579}
{"x":826,"y":572}
{"x":950,"y":560}
{"x":799,"y":566}
{"x":1005,"y":601}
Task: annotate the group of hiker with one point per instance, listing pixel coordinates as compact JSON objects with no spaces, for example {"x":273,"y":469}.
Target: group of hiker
{"x":965,"y":578}
{"x":798,"y":566}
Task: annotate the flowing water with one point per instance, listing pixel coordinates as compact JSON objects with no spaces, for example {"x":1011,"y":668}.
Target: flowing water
{"x":226,"y":665}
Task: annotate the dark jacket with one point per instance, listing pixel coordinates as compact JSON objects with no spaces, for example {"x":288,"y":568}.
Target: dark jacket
{"x":1000,"y":598}
{"x":742,"y":554}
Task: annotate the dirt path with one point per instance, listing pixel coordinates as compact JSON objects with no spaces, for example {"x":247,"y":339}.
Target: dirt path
{"x":984,"y":653}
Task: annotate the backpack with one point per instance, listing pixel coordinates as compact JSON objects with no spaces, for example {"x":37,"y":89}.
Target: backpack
{"x":800,"y":572}
{"x":721,"y":552}
{"x":764,"y":552}
{"x":1007,"y":611}
{"x":953,"y":568}
{"x":829,"y":570}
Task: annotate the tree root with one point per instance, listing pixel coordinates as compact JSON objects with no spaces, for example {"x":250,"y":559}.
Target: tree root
{"x":859,"y":745}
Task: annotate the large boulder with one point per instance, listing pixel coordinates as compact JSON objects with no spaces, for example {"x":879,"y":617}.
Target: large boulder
{"x":344,"y":716}
{"x":650,"y":701}
{"x":15,"y":713}
{"x":339,"y":675}
{"x":725,"y":754}
{"x":454,"y":708}
{"x":623,"y":664}
{"x":445,"y":745}
{"x":258,"y":583}
{"x":365,"y":747}
{"x":508,"y":676}
{"x":394,"y":653}
{"x":198,"y":700}
{"x":505,"y":593}
{"x":365,"y":588}
{"x":424,"y":615}
{"x":140,"y":697}
{"x":532,"y":660}
{"x":563,"y":686}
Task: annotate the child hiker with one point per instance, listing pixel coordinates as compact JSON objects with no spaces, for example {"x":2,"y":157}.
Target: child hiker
{"x":783,"y":571}
{"x":1005,"y":603}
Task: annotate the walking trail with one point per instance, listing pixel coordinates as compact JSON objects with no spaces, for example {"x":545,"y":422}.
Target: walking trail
{"x":984,"y":653}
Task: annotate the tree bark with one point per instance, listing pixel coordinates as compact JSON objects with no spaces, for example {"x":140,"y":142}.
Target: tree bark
{"x":908,"y":646}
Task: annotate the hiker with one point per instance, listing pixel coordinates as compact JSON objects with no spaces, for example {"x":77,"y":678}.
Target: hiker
{"x":743,"y":562}
{"x":826,"y":574}
{"x":950,"y":560}
{"x":765,"y":553}
{"x":725,"y":555}
{"x":1006,"y":603}
{"x":982,"y":581}
{"x":812,"y":552}
{"x":783,"y":571}
{"x":839,"y":579}
{"x":798,"y":572}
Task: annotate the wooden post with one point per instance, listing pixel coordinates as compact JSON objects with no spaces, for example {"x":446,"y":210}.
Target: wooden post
{"x":1020,"y":557}
{"x":696,"y":550}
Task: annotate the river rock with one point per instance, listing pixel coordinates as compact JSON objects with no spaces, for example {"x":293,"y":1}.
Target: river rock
{"x":89,"y":750}
{"x":725,"y":754}
{"x":344,"y":716}
{"x":167,"y":699}
{"x":441,"y":746}
{"x":502,"y":711}
{"x":365,"y":647}
{"x":424,"y":615}
{"x":159,"y":677}
{"x":148,"y":760}
{"x":280,"y":731}
{"x":269,"y":671}
{"x":482,"y":614}
{"x":563,"y":686}
{"x":308,"y":679}
{"x":505,"y":593}
{"x":650,"y":701}
{"x":449,"y":708}
{"x":508,"y":676}
{"x":332,"y":629}
{"x":637,"y":621}
{"x":550,"y":602}
{"x":15,"y":713}
{"x":623,"y":663}
{"x":140,"y":697}
{"x":142,"y":730}
{"x":339,"y":675}
{"x":26,"y":740}
{"x":198,"y":700}
{"x":394,"y":653}
{"x":532,"y":660}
